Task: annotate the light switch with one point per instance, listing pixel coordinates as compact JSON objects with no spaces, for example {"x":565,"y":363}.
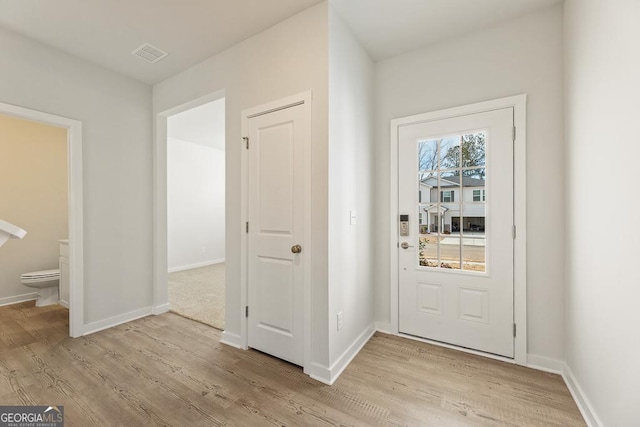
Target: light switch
{"x":353,"y":217}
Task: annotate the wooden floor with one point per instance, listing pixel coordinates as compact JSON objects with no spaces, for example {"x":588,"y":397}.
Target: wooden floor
{"x":168,"y":370}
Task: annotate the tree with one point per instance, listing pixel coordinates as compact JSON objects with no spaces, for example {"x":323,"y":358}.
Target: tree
{"x":473,"y":154}
{"x":428,"y":158}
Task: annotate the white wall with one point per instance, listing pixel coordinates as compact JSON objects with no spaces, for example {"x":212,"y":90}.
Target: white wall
{"x":195,"y":204}
{"x":351,"y":181}
{"x":286,"y":59}
{"x":521,"y":56}
{"x":116,"y":119}
{"x":603,"y":280}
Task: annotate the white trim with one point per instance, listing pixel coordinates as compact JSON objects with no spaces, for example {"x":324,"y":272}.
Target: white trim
{"x":160,"y":309}
{"x":101,"y":325}
{"x":304,"y":98}
{"x":546,"y":364}
{"x":76,"y":216}
{"x":384,"y":327}
{"x":63,"y":303}
{"x":586,"y":409}
{"x":233,"y":340}
{"x":160,"y":250}
{"x":18,"y":299}
{"x":518,"y":103}
{"x":195,"y":265}
{"x":318,"y":372}
{"x":330,"y":375}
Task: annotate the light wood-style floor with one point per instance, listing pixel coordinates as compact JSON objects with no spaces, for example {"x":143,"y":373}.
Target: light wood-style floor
{"x":168,"y":370}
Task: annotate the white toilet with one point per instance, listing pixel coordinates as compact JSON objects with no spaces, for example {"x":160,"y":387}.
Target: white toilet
{"x":46,"y":282}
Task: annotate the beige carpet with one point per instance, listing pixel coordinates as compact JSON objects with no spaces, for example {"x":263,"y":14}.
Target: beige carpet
{"x":198,"y":294}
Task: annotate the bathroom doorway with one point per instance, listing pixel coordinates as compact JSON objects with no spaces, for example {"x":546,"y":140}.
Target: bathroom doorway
{"x":196,"y":213}
{"x":41,"y":187}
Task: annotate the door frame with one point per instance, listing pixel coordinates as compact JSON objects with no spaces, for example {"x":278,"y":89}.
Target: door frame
{"x":160,"y":232}
{"x":305,"y":99}
{"x":518,"y":102}
{"x":75,"y":206}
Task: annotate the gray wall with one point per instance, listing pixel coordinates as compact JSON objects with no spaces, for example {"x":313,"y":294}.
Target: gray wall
{"x":603,"y":280}
{"x":520,"y":56}
{"x":116,"y":116}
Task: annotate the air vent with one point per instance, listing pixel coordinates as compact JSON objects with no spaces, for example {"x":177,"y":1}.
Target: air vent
{"x":149,"y":53}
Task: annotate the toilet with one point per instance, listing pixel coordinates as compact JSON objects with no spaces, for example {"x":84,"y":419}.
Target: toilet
{"x":46,"y":282}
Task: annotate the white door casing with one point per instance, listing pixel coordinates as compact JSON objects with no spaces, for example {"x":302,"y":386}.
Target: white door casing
{"x":444,"y":289}
{"x":278,"y":140}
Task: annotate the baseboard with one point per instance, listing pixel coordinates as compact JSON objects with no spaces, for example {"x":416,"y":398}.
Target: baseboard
{"x":196,"y":265}
{"x":100,"y":325}
{"x":160,"y":309}
{"x":586,"y":409}
{"x":232,"y":340}
{"x":546,"y":364}
{"x":318,"y":372}
{"x":330,"y":375}
{"x":18,"y":299}
{"x":63,"y":303}
{"x":384,"y":327}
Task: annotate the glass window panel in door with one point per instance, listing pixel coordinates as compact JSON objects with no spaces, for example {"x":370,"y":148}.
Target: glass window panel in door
{"x":428,"y":155}
{"x":473,"y":149}
{"x":449,"y":153}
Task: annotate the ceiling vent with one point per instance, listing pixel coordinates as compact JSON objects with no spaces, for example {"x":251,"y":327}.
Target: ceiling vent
{"x":149,"y":53}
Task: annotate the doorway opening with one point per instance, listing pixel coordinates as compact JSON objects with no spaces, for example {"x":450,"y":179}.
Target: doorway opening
{"x":42,"y":193}
{"x":196,"y":213}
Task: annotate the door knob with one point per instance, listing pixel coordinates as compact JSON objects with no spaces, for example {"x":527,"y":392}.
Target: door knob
{"x":405,"y":245}
{"x":296,"y":249}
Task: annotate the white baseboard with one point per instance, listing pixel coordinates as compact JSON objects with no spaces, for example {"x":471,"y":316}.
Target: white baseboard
{"x":232,"y":340}
{"x":116,"y":320}
{"x":63,"y":303}
{"x":586,"y":409}
{"x":384,"y":327}
{"x":546,"y":364}
{"x":159,"y":309}
{"x":196,"y":265}
{"x":18,"y":299}
{"x":330,"y":375}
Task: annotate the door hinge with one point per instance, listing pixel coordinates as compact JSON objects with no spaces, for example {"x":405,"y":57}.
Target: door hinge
{"x":514,"y":133}
{"x":514,"y":232}
{"x":246,"y":311}
{"x":246,"y":141}
{"x":514,"y":330}
{"x":247,"y":226}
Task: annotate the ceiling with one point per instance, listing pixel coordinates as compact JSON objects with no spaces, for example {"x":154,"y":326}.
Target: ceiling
{"x":107,"y":31}
{"x":390,"y":27}
{"x":202,"y":125}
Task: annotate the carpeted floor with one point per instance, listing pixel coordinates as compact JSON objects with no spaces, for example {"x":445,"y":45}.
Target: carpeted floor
{"x":198,"y":294}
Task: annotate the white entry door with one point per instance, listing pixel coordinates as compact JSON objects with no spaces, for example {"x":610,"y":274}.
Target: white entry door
{"x":455,"y":254}
{"x":276,"y":246}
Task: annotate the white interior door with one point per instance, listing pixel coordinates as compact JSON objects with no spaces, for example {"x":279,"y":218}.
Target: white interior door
{"x":455,"y":254}
{"x":276,"y":246}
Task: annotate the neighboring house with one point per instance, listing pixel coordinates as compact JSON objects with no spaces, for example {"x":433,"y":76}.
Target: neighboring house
{"x":444,"y":207}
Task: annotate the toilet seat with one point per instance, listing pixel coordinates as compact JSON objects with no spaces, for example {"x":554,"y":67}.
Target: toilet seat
{"x":40,"y":276}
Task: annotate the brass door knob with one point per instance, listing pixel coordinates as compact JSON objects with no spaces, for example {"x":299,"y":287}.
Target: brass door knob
{"x":296,"y":249}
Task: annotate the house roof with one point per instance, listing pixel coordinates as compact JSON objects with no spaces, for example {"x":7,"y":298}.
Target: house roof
{"x":454,"y":181}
